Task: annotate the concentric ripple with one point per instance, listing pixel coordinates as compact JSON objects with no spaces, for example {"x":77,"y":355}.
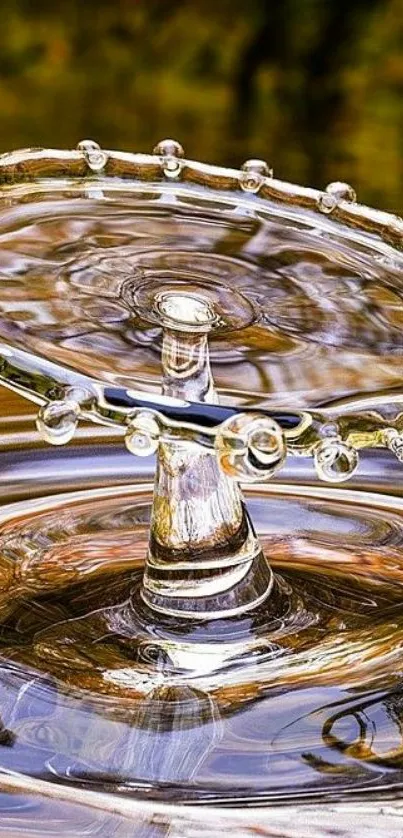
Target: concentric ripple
{"x":311,"y":313}
{"x":299,"y":698}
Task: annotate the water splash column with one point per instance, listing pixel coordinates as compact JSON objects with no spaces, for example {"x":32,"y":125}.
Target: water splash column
{"x":204,"y":558}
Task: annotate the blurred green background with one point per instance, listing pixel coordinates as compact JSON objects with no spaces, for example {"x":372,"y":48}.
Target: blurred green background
{"x":313,"y":86}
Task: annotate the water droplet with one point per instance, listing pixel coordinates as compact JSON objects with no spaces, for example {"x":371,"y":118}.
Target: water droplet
{"x":327,"y":203}
{"x":252,"y":175}
{"x":329,"y":429}
{"x":166,"y":148}
{"x":335,"y":461}
{"x":96,"y":158}
{"x":57,"y":421}
{"x":171,"y":154}
{"x":187,"y":310}
{"x":394,"y":441}
{"x":250,"y":447}
{"x":142,"y":435}
{"x":341,"y":191}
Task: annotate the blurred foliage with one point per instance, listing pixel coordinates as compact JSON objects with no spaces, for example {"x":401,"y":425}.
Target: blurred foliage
{"x":313,"y":86}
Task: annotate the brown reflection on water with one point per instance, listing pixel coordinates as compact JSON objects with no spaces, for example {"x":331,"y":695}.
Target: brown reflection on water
{"x":322,"y":327}
{"x":302,"y":696}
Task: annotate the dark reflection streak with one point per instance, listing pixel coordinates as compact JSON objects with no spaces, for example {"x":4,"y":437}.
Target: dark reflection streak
{"x":370,"y":699}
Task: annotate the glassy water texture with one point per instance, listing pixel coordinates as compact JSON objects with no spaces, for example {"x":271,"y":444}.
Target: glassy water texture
{"x":83,"y":700}
{"x":317,"y":316}
{"x":298,"y":699}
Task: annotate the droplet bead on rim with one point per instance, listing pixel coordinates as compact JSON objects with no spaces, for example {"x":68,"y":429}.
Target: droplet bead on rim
{"x":171,"y":154}
{"x":334,"y":193}
{"x":169,"y":148}
{"x":96,"y":158}
{"x":327,"y":203}
{"x":250,"y":447}
{"x":253,"y":173}
{"x":57,"y":421}
{"x":143,"y":433}
{"x":341,"y":191}
{"x":394,"y":441}
{"x":335,"y":460}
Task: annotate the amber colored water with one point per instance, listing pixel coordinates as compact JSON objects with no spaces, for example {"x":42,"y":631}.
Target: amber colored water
{"x":324,"y":303}
{"x":97,"y":693}
{"x":299,"y":700}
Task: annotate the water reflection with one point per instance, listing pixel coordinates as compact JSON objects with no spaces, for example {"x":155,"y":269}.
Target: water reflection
{"x":323,"y":307}
{"x":290,"y":700}
{"x":296,"y":700}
